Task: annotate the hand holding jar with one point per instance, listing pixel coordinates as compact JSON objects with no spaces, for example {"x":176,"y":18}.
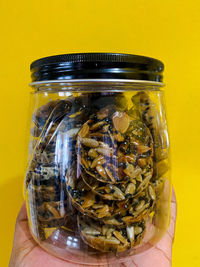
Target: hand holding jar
{"x":97,"y":186}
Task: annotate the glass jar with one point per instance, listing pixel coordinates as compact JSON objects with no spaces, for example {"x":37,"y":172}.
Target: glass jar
{"x":97,"y":186}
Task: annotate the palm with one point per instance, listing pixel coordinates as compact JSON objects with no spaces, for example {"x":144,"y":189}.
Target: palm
{"x":26,"y":252}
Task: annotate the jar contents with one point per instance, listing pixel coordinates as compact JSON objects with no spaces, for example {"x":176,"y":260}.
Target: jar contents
{"x":96,"y":169}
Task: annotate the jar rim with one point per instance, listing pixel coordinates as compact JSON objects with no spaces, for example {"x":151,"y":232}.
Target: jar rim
{"x":69,"y":81}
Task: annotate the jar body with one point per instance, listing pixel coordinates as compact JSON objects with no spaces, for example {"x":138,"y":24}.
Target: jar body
{"x":97,"y":187}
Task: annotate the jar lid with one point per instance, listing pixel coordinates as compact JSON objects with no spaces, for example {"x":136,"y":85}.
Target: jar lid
{"x":97,"y":66}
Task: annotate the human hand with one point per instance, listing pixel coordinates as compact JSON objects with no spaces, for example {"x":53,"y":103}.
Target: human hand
{"x":27,"y":253}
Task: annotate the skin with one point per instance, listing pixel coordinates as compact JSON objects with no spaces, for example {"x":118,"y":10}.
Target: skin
{"x":27,"y":253}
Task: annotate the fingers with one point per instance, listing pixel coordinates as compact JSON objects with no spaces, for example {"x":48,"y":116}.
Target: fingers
{"x":22,"y":215}
{"x":160,"y":254}
{"x":171,"y":228}
{"x":22,"y":232}
{"x":173,"y":197}
{"x":23,"y":241}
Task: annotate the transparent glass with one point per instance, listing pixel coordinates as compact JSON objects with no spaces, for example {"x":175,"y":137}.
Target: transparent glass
{"x":97,"y":186}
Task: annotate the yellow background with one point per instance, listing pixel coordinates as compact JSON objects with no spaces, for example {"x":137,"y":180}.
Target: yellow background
{"x":166,"y":29}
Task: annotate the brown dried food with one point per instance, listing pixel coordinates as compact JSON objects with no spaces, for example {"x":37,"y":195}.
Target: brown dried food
{"x":48,"y":214}
{"x":43,"y":192}
{"x":110,"y":186}
{"x":115,"y":156}
{"x":135,"y":209}
{"x":151,"y":118}
{"x":55,"y":208}
{"x":160,"y":168}
{"x":106,"y":191}
{"x":59,"y":112}
{"x":107,"y":238}
{"x":42,"y":113}
{"x":121,"y":121}
{"x":84,"y":130}
{"x":88,"y":202}
{"x":89,"y":142}
{"x":115,"y":192}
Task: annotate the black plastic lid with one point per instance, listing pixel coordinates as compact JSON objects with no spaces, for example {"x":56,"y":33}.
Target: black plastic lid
{"x":97,"y":66}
